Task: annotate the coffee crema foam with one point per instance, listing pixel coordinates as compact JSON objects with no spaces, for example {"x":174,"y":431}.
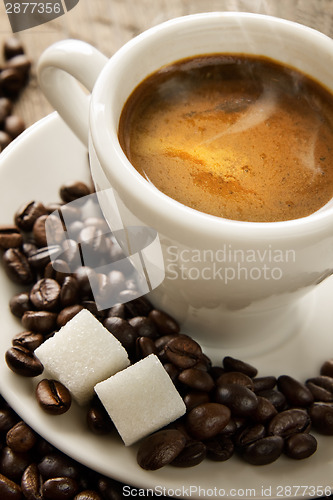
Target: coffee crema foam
{"x":238,"y":137}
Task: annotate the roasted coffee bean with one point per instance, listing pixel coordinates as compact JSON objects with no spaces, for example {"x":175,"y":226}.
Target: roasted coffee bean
{"x":193,"y":454}
{"x":241,"y":400}
{"x":264,"y":383}
{"x":60,"y":488}
{"x":323,"y":381}
{"x":207,"y":420}
{"x":171,"y":370}
{"x":235,"y":378}
{"x":204,"y":363}
{"x":219,"y":448}
{"x":67,"y":314}
{"x":29,"y":340}
{"x":321,"y":388}
{"x":11,"y":82}
{"x":98,"y":222}
{"x":161,"y":448}
{"x":39,"y":321}
{"x":117,"y":281}
{"x":319,"y":393}
{"x":58,"y":465}
{"x":118,"y":311}
{"x":300,"y":445}
{"x":74,"y":190}
{"x":195,"y":398}
{"x":9,"y":490}
{"x":232,"y":427}
{"x":53,"y":206}
{"x":289,"y":422}
{"x":166,"y":324}
{"x":32,"y":483}
{"x":109,"y":489}
{"x":265,"y":410}
{"x":17,"y":267}
{"x":23,"y":362}
{"x":6,"y":107}
{"x":71,"y":253}
{"x":10,"y":237}
{"x":45,"y":295}
{"x":40,"y":257}
{"x":116,"y":254}
{"x":57,"y":270}
{"x":12,"y":47}
{"x":275,"y":397}
{"x":14,"y":125}
{"x":139,"y":306}
{"x":144,"y":327}
{"x":98,"y":419}
{"x":13,"y":464}
{"x":122,"y":330}
{"x":21,"y":438}
{"x":53,"y":397}
{"x":75,"y":228}
{"x":88,"y":495}
{"x":5,"y":140}
{"x":236,"y":365}
{"x":321,"y":415}
{"x":296,"y":393}
{"x":54,"y":228}
{"x":87,"y":278}
{"x":28,"y":213}
{"x":69,"y":293}
{"x":131,"y":284}
{"x":196,"y":379}
{"x":144,"y":346}
{"x":249,"y":434}
{"x":28,"y":248}
{"x":19,"y":304}
{"x":327,"y":368}
{"x":161,"y":342}
{"x":183,"y":351}
{"x":263,"y":451}
{"x":8,"y":419}
{"x":104,"y":291}
{"x":93,"y":242}
{"x":20,"y":63}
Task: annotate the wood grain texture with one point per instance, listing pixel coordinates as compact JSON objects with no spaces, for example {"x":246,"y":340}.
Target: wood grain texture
{"x":108,"y":24}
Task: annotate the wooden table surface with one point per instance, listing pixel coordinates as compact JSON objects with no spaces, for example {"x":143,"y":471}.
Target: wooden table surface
{"x":108,"y":24}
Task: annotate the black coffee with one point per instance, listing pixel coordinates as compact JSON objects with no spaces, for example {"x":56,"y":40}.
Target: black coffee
{"x":238,"y":137}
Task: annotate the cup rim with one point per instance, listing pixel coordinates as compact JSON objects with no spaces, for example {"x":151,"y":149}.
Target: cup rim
{"x":157,"y":205}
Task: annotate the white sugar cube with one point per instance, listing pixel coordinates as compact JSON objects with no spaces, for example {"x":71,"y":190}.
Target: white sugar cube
{"x":141,"y":399}
{"x":81,"y":354}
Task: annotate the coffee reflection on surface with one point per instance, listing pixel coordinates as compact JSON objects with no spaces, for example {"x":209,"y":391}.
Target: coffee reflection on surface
{"x":238,"y":137}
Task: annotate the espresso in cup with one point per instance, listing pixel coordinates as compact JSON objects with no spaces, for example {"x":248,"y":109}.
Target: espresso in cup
{"x":236,"y":136}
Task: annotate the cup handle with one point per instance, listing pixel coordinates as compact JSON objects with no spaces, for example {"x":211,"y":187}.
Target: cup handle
{"x":60,"y":68}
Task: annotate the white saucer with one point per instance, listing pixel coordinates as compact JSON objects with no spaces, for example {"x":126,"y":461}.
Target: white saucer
{"x":34,"y":167}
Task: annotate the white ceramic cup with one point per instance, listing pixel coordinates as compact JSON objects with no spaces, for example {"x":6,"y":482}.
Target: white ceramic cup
{"x":230,"y":284}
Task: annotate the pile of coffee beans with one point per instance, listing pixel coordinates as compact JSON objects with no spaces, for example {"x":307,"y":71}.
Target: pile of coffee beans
{"x":31,"y":468}
{"x":230,"y":409}
{"x":14,"y":76}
